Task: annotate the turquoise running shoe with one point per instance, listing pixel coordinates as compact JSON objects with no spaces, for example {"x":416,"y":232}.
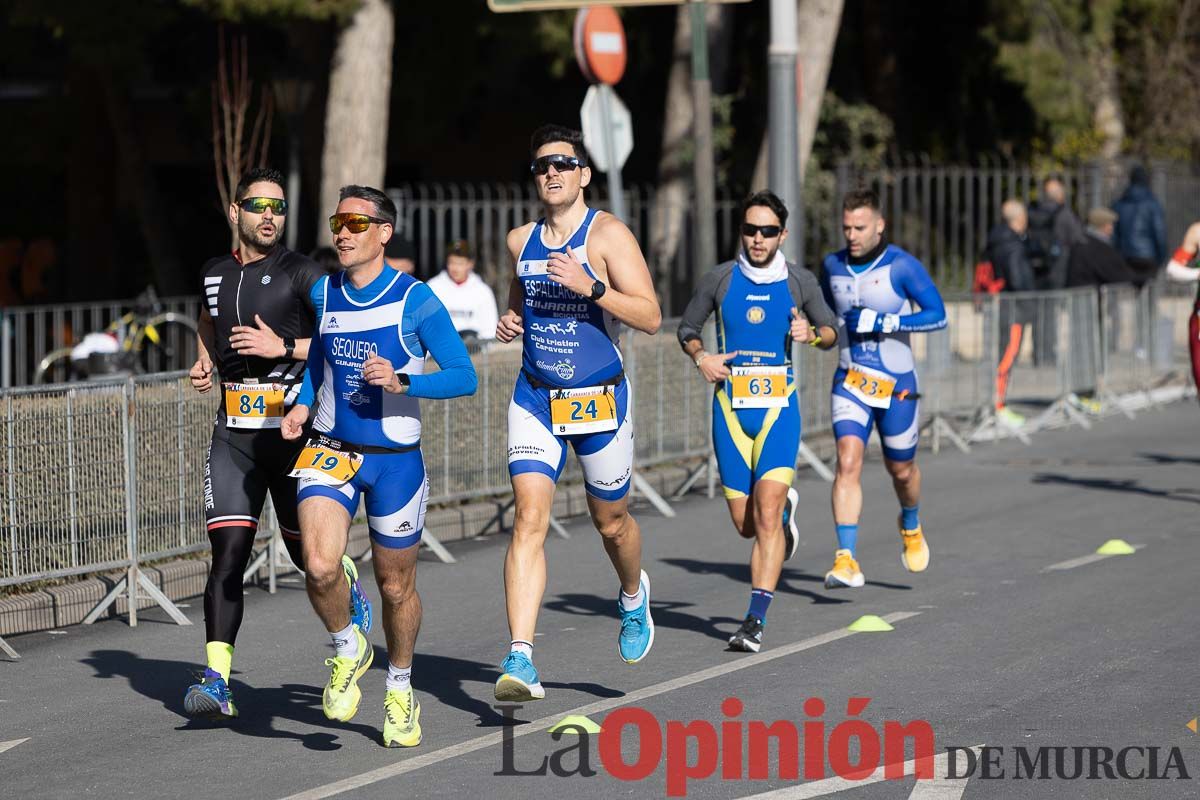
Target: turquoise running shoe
{"x":360,"y":604}
{"x":637,"y":627}
{"x":210,"y":698}
{"x":518,"y":682}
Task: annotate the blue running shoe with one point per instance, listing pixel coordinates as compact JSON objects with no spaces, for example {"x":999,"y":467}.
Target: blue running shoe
{"x":360,"y":604}
{"x":637,"y":628}
{"x":518,"y":681}
{"x":210,"y":699}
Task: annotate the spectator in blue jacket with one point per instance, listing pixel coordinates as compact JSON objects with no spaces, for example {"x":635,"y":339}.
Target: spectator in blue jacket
{"x":1141,"y":231}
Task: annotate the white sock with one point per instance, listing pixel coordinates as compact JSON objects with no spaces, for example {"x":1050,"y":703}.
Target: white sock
{"x":522,"y":647}
{"x":399,"y":678}
{"x":345,"y":642}
{"x":632,"y":602}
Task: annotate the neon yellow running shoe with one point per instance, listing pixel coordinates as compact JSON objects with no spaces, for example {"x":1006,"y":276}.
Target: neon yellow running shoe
{"x":914,"y":551}
{"x":401,"y":718}
{"x":342,"y":695}
{"x":845,"y":572}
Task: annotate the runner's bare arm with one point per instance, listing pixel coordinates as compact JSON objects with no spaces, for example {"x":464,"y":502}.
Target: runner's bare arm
{"x":630,"y":296}
{"x":509,"y":327}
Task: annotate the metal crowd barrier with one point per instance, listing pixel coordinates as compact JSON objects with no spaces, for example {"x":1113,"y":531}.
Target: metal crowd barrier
{"x":100,"y":477}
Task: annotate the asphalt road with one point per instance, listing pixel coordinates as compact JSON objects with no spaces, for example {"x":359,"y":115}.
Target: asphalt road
{"x":990,"y":648}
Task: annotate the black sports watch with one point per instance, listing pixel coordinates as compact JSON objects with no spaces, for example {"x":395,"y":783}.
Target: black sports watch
{"x":404,"y":381}
{"x":289,"y":347}
{"x":598,"y":290}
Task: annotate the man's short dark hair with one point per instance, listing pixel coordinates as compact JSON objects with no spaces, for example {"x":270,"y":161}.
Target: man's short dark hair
{"x":384,"y":207}
{"x":557,"y":133}
{"x":253,"y":176}
{"x":769,"y":200}
{"x":862,"y":197}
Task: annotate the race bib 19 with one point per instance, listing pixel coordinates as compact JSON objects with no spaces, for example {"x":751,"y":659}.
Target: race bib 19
{"x":873,"y":387}
{"x":327,"y":465}
{"x":589,"y":409}
{"x":253,"y":405}
{"x":759,"y":387}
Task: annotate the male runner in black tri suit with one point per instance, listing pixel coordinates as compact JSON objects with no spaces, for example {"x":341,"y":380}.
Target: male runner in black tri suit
{"x":255,"y":330}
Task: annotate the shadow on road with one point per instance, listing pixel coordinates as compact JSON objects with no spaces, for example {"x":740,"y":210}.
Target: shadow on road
{"x":446,"y":678}
{"x":1130,"y":486}
{"x":166,"y":682}
{"x":740,"y":573}
{"x":1167,"y":458}
{"x":667,"y":614}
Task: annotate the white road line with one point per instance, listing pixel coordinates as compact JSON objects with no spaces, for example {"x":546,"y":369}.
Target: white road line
{"x":939,"y":788}
{"x":1072,"y":563}
{"x":10,"y":745}
{"x":540,"y":725}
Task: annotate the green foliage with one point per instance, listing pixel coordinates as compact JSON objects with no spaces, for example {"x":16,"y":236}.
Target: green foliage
{"x":554,"y":35}
{"x":1057,"y":50}
{"x":1049,"y":47}
{"x":257,"y":10}
{"x":856,"y":132}
{"x":1161,"y":77}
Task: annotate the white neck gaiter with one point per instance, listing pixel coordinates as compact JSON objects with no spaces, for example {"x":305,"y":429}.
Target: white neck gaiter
{"x":772,"y":273}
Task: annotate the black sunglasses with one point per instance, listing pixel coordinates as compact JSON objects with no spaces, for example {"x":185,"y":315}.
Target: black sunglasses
{"x":258,"y":205}
{"x":541,"y":166}
{"x":768,"y":231}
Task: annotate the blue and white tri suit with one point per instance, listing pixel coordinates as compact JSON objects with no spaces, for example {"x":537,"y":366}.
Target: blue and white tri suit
{"x":890,"y":284}
{"x":754,"y":318}
{"x":398,"y":318}
{"x":569,"y":343}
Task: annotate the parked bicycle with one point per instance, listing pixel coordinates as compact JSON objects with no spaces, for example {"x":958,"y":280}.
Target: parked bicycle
{"x":145,"y":339}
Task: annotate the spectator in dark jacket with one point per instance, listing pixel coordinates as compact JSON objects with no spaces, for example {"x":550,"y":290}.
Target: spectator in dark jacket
{"x":1094,"y":261}
{"x":1141,"y":231}
{"x":1008,"y":250}
{"x":1053,"y":231}
{"x":1067,"y":230}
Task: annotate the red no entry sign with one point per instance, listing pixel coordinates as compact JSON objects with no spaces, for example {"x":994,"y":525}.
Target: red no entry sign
{"x":600,"y":44}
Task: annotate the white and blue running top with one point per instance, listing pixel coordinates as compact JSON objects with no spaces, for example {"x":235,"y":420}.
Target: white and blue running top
{"x":569,"y":340}
{"x":889,"y":284}
{"x":395,"y":317}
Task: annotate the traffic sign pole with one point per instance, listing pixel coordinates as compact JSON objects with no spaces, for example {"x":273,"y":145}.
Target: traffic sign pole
{"x":616,"y":192}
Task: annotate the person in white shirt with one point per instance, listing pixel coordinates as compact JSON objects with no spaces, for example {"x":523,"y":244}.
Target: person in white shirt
{"x":470,"y":301}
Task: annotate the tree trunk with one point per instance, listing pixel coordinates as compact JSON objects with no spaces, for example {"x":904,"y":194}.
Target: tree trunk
{"x":817,"y":23}
{"x":675,"y":162}
{"x":356,"y":111}
{"x":1107,"y":115}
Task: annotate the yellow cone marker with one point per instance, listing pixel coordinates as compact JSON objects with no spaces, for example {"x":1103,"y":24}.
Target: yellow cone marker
{"x":1192,"y":725}
{"x":869,"y":623}
{"x":1115,"y":547}
{"x":573,"y":723}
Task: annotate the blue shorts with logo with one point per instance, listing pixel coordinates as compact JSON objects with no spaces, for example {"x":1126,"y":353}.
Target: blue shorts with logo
{"x":898,"y":424}
{"x":396,"y":489}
